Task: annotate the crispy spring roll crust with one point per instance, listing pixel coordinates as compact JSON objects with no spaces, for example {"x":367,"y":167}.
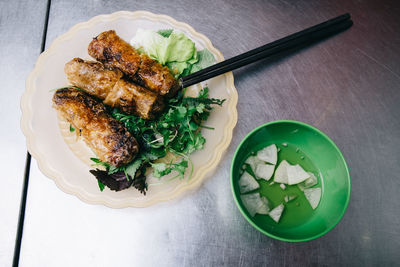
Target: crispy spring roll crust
{"x":106,"y":136}
{"x":156,"y":77}
{"x":106,"y":84}
{"x":109,"y":48}
{"x":134,"y":99}
{"x":93,"y":77}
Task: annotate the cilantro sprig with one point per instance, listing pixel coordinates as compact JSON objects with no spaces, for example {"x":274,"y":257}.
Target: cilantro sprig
{"x":177,"y":131}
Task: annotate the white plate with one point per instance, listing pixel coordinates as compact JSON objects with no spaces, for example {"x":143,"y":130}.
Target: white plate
{"x":66,"y":160}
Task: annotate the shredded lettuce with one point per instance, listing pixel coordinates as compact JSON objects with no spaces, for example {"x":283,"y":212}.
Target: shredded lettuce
{"x":173,"y":49}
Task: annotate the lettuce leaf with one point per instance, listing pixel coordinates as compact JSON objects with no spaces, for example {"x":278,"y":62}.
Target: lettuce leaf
{"x":205,"y":59}
{"x":165,"y":33}
{"x":173,"y":49}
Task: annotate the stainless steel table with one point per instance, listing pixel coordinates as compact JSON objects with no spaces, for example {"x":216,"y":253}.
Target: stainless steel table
{"x":347,"y":86}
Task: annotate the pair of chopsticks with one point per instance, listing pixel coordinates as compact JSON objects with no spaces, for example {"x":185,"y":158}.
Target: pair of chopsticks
{"x":296,"y":40}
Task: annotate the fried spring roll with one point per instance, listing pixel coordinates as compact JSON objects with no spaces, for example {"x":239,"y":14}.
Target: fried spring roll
{"x":109,"y":48}
{"x":95,"y":78}
{"x":134,"y":99}
{"x":106,"y":136}
{"x":107,"y":84}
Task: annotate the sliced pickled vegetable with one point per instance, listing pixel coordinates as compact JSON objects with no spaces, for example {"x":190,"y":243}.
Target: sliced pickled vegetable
{"x":276,"y":213}
{"x":268,"y":154}
{"x":264,"y":208}
{"x":313,"y":196}
{"x":281,"y":173}
{"x":296,"y":174}
{"x":255,"y":204}
{"x":264,"y":171}
{"x":253,"y":161}
{"x":310,"y":182}
{"x":247,"y":183}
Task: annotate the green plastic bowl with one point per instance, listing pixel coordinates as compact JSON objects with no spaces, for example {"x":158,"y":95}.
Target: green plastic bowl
{"x":314,"y":151}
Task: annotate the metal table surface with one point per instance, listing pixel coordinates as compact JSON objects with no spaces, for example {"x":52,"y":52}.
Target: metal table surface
{"x":347,"y":86}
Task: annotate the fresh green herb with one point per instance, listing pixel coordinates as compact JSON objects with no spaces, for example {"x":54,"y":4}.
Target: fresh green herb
{"x":116,"y":181}
{"x":162,"y":169}
{"x":133,"y":167}
{"x":100,"y":163}
{"x":123,"y":177}
{"x":71,"y":129}
{"x":101,"y":185}
{"x":177,"y":130}
{"x":110,"y":169}
{"x":165,"y":33}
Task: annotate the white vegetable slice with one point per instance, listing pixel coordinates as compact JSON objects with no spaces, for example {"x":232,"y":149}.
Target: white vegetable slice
{"x":264,"y":171}
{"x":308,"y":182}
{"x":281,"y":175}
{"x":253,"y":161}
{"x":313,"y":196}
{"x":247,"y":183}
{"x":296,"y":174}
{"x":264,"y":208}
{"x":271,"y":183}
{"x":268,"y":154}
{"x":301,"y":186}
{"x":276,"y":213}
{"x":289,"y":198}
{"x":253,"y":203}
{"x":283,"y":186}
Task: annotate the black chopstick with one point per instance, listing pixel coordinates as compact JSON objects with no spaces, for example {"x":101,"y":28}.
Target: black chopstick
{"x":295,"y":40}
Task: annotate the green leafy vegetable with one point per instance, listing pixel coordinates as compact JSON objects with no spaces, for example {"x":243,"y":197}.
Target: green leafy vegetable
{"x":165,"y":33}
{"x":123,"y":177}
{"x":110,"y":169}
{"x":177,"y":131}
{"x":71,"y":129}
{"x":162,"y":169}
{"x":116,"y":181}
{"x":101,"y":185}
{"x":177,"y":47}
{"x":173,"y":49}
{"x":132,"y":168}
{"x":163,"y":48}
{"x":206,"y":59}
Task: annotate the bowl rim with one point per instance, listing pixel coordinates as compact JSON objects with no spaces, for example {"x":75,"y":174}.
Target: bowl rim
{"x":340,"y":156}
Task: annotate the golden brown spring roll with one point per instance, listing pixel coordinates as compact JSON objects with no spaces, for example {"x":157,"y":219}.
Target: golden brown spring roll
{"x":95,"y":78}
{"x":109,"y":48}
{"x":106,"y":136}
{"x":134,"y":99}
{"x":106,"y":83}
